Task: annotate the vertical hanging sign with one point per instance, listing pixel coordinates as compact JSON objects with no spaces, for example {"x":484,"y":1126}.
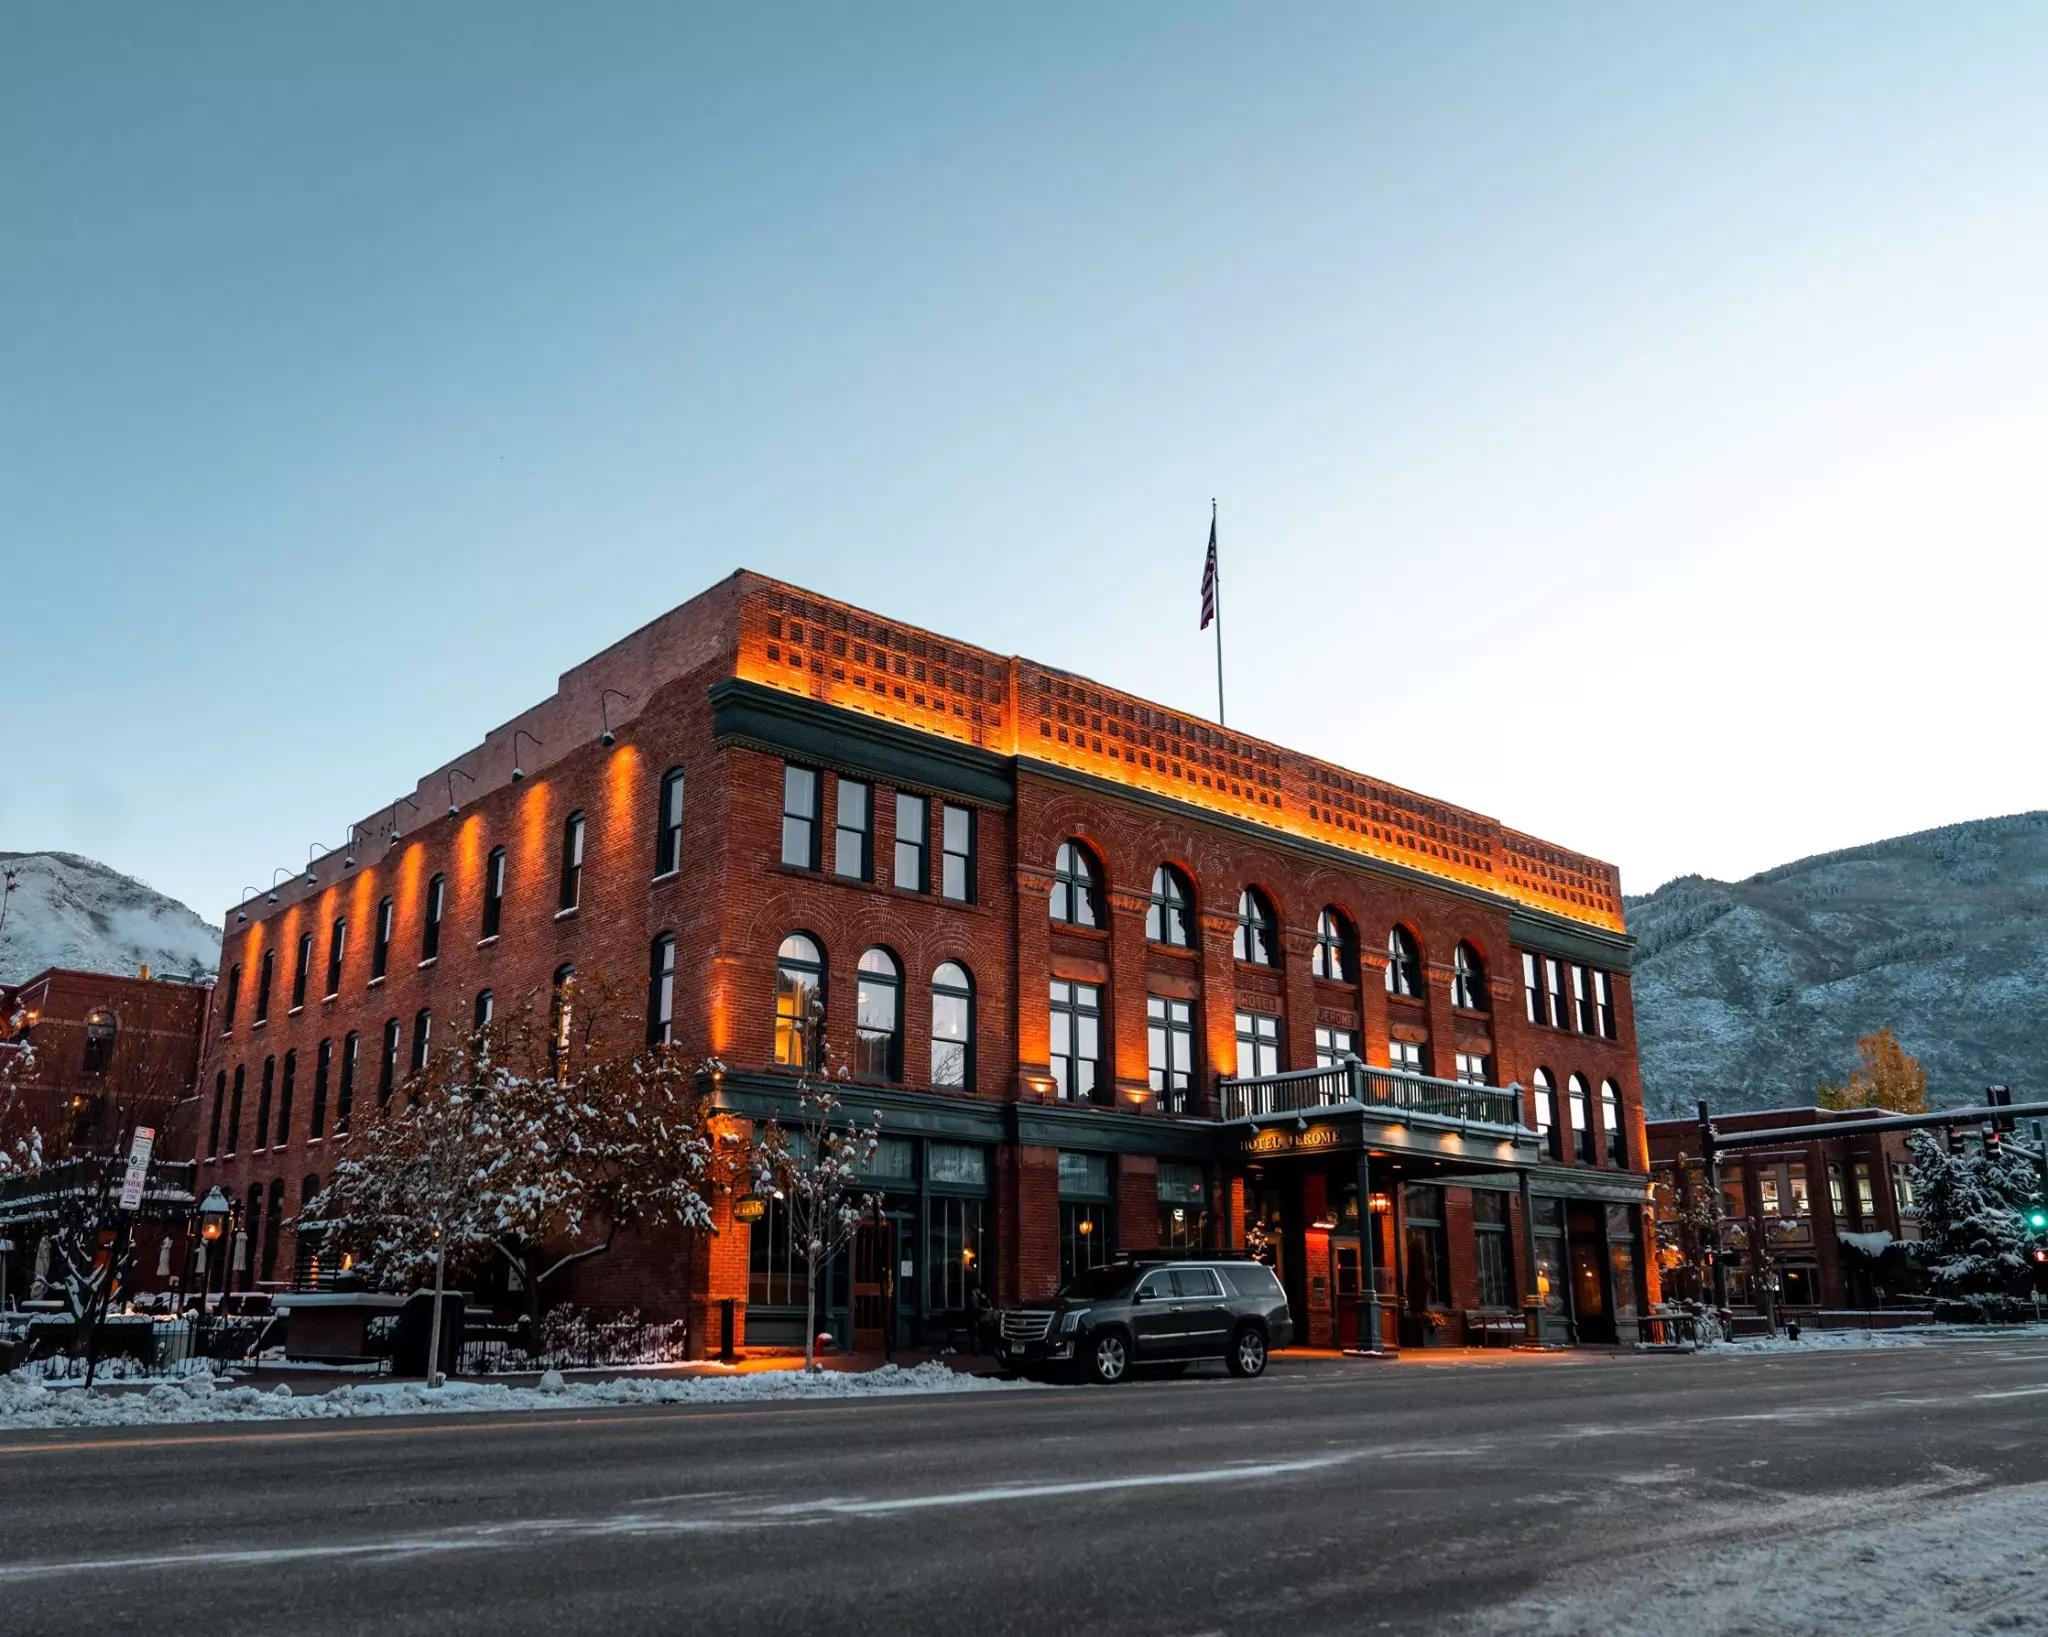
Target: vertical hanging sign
{"x":138,"y":1168}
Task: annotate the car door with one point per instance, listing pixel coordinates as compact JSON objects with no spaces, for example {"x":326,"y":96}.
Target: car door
{"x":1156,"y":1327}
{"x":1204,"y":1315}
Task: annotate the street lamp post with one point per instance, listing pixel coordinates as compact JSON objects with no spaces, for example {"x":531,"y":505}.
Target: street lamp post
{"x":434,"y":1329}
{"x":215,"y":1210}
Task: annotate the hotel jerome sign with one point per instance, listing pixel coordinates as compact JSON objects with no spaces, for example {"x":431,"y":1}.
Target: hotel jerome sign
{"x":1289,"y":1139}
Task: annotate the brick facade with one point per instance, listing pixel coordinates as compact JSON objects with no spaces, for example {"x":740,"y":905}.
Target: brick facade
{"x":752,"y":676}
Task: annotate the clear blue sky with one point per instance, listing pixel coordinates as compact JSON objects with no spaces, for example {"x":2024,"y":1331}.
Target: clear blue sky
{"x":1629,"y":422}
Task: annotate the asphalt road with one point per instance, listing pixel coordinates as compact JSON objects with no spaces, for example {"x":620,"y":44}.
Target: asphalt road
{"x":1335,"y":1497}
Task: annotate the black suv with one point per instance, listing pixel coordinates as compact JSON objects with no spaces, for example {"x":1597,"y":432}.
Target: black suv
{"x":1130,"y":1315}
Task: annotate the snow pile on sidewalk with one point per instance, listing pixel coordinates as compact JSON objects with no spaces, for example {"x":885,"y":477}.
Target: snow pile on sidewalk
{"x":27,"y":1403}
{"x":1833,"y":1341}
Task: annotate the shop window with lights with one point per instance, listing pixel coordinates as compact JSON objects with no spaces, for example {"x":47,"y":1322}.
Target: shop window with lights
{"x":1087,"y":1226}
{"x":1183,"y":1206}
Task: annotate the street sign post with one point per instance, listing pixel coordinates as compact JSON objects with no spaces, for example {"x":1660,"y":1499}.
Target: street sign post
{"x":137,"y":1177}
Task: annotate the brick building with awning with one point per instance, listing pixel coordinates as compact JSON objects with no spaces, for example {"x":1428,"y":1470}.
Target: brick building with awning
{"x":1115,"y":978}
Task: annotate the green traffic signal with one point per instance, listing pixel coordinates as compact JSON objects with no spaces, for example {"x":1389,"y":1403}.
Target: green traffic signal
{"x":2037,"y":1217}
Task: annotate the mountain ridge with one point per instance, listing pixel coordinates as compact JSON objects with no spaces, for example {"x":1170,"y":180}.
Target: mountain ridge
{"x":72,"y":911}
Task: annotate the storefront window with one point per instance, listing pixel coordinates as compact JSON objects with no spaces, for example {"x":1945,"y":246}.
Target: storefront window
{"x":1428,"y":1270}
{"x":775,"y":1274}
{"x":1550,"y":1279}
{"x":1490,"y":1240}
{"x":1183,"y":1215}
{"x":1087,"y":1233}
{"x":956,"y":1251}
{"x":1621,"y":1262}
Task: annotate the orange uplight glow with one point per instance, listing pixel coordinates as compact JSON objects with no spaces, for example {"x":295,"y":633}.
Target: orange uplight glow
{"x":841,"y":656}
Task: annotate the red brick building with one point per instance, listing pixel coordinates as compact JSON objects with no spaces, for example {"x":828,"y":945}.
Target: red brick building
{"x":109,"y":1053}
{"x":1829,"y":1218}
{"x":1092,"y":960}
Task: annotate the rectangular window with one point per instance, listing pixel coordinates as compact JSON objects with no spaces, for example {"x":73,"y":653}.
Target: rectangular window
{"x":1258,"y":1045}
{"x":1333,"y":1046}
{"x":286,"y":1085}
{"x":913,"y":816}
{"x":1495,"y":1253}
{"x":1472,"y":1069}
{"x":235,"y":1114}
{"x":430,"y":932}
{"x":1183,"y":1206}
{"x":661,"y":992}
{"x":263,"y":984}
{"x":799,"y":818}
{"x":957,"y":866}
{"x":1582,"y":1002}
{"x":853,"y":831}
{"x":572,"y":862}
{"x":958,"y":1165}
{"x":380,"y":945}
{"x":422,"y":1030}
{"x":1603,"y":1004}
{"x":233,"y":988}
{"x":1560,"y":1010}
{"x":1546,"y":1120}
{"x":1404,"y":1056}
{"x":337,"y":941}
{"x":1796,"y":1176}
{"x":1532,"y":989}
{"x":957,"y":1248}
{"x":668,"y":825}
{"x":1429,"y":1259}
{"x":1170,"y":1049}
{"x":775,"y":1270}
{"x":345,"y":1090}
{"x":1866,"y":1196}
{"x":1085,"y":1236}
{"x":263,"y":1102}
{"x":1077,"y":1042}
{"x":494,"y":892}
{"x":302,"y":970}
{"x":1902,"y":1183}
{"x":387,"y":1064}
{"x":323,"y":1072}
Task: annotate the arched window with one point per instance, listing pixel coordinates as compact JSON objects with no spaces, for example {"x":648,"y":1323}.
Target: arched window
{"x":572,"y":861}
{"x":494,"y":892}
{"x":1167,"y":917}
{"x":1611,"y":1123}
{"x":345,"y":1095}
{"x":1076,"y":887}
{"x":235,"y":1113}
{"x":878,"y":1017}
{"x":1583,"y":1136}
{"x":668,"y":824}
{"x":561,"y":1004}
{"x":1404,"y":963}
{"x":661,"y":990}
{"x":1336,"y":951}
{"x":323,"y":1077}
{"x":1546,"y":1114}
{"x":953,"y":1027}
{"x":799,"y":1001}
{"x":337,"y":941}
{"x":1468,"y":979}
{"x":430,"y":926}
{"x":100,"y":1032}
{"x":422,"y":1038}
{"x":1258,"y":930}
{"x":380,"y":946}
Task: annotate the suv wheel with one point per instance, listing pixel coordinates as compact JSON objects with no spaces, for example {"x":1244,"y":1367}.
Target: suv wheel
{"x":1109,"y":1360}
{"x":1248,"y":1352}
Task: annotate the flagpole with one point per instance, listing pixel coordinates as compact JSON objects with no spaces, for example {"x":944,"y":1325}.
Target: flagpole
{"x":1220,"y":722}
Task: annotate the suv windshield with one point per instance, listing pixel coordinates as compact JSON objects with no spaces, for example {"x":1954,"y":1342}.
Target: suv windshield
{"x":1101,"y":1284}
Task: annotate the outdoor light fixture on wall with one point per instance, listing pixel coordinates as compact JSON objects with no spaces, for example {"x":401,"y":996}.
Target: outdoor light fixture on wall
{"x":348,"y":853}
{"x":282,"y":869}
{"x":452,"y":808}
{"x":241,"y":914}
{"x":608,"y":738}
{"x":519,"y":772}
{"x":313,"y":880}
{"x":415,"y":806}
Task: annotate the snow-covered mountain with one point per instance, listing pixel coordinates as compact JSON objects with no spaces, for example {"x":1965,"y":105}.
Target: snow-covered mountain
{"x":70,"y":911}
{"x":1749,"y":993}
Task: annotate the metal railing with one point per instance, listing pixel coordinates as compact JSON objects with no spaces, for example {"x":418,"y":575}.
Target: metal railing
{"x":1354,"y":1084}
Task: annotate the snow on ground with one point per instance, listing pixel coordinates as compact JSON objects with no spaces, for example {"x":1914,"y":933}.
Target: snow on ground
{"x":1833,"y":1341}
{"x":1922,"y":1561}
{"x":26,"y":1403}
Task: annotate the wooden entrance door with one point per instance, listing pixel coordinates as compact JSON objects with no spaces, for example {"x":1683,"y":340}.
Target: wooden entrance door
{"x":871,"y":1251}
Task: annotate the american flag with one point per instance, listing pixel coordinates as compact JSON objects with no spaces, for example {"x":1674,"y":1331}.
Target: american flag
{"x":1209,"y":578}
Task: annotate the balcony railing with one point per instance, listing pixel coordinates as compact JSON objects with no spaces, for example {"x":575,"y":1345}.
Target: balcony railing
{"x":1353,"y":1084}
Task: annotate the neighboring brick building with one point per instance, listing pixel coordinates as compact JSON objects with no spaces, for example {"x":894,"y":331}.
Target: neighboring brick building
{"x":1046,"y":919}
{"x":1830,"y":1217}
{"x":110,"y":1053}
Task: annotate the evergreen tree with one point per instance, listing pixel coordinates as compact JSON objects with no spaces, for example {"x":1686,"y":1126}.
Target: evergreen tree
{"x":1971,"y":1215}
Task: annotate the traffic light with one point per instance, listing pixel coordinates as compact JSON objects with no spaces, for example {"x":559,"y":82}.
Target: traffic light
{"x":1955,"y":1140}
{"x":2040,"y":1255}
{"x":2037,"y":1218}
{"x":2000,"y":1097}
